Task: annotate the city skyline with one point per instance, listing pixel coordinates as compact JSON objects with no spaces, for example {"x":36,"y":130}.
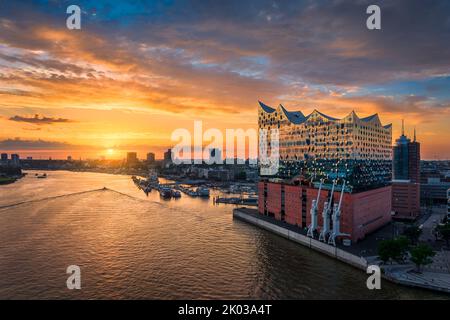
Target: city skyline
{"x":225,"y":155}
{"x":136,"y":72}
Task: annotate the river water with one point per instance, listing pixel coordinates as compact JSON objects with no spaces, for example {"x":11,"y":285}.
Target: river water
{"x":130,"y":246}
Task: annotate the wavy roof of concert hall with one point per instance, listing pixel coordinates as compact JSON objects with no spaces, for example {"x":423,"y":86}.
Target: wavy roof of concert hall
{"x":297,"y":117}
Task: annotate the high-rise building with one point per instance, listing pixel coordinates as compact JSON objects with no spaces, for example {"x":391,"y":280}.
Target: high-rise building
{"x":406,"y":162}
{"x":15,"y":159}
{"x":4,"y":157}
{"x":215,"y":156}
{"x":414,"y":160}
{"x":150,"y":157}
{"x":131,"y":158}
{"x":406,"y":177}
{"x":334,"y":174}
{"x":167,"y":157}
{"x":448,"y":203}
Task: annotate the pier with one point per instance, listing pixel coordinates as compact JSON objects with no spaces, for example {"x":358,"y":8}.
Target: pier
{"x":237,"y":201}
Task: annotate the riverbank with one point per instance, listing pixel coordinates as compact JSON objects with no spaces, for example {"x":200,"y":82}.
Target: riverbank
{"x":4,"y":180}
{"x":10,"y":174}
{"x":7,"y":180}
{"x":401,"y":275}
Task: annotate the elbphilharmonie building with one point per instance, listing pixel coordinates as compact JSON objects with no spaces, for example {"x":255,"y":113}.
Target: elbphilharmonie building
{"x":319,"y":157}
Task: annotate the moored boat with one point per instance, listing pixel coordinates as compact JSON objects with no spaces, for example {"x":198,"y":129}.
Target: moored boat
{"x":166,"y":193}
{"x":202,"y":192}
{"x":176,"y":194}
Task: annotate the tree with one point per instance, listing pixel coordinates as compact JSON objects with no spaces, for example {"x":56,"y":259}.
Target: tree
{"x":421,"y":255}
{"x":444,"y":231}
{"x":394,"y":249}
{"x":384,"y":250}
{"x":413,"y":233}
{"x":400,"y":248}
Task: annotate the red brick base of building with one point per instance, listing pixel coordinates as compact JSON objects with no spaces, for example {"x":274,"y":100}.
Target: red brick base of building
{"x":361,"y":213}
{"x":405,"y":199}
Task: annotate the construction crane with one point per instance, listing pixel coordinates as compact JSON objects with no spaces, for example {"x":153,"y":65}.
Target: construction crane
{"x":326,"y":216}
{"x":315,"y":204}
{"x":336,"y":220}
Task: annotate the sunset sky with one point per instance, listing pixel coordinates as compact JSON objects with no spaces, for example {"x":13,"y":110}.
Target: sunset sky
{"x":137,"y":70}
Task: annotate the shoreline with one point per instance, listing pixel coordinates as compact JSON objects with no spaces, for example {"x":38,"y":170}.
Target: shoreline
{"x":400,"y":277}
{"x":7,"y":180}
{"x":10,"y":179}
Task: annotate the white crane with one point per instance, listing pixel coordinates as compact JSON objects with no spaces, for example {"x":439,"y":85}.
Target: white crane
{"x":336,"y":220}
{"x":326,"y":216}
{"x":315,"y":204}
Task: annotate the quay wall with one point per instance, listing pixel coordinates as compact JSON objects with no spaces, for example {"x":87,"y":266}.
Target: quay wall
{"x":334,"y":252}
{"x":358,"y":262}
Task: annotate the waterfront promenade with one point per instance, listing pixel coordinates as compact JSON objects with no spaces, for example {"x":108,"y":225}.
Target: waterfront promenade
{"x":404,"y":274}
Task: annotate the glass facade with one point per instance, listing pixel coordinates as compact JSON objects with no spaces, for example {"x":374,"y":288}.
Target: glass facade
{"x":319,"y":147}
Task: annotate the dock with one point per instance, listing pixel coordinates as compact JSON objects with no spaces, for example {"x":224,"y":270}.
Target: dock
{"x":237,"y":201}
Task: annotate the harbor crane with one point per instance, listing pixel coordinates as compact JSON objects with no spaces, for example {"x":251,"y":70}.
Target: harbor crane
{"x":336,"y":220}
{"x":326,"y":216}
{"x":314,"y":207}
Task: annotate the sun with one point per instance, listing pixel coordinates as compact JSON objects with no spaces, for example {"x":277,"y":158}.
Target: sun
{"x":110,"y":151}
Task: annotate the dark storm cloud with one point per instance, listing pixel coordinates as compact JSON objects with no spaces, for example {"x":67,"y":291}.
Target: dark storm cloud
{"x":39,"y":120}
{"x":47,"y":64}
{"x":19,"y":144}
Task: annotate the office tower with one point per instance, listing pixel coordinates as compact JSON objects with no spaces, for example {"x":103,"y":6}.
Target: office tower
{"x":406,"y":177}
{"x":15,"y":160}
{"x":167,"y":157}
{"x":132,"y":158}
{"x":215,"y":156}
{"x":150,"y":157}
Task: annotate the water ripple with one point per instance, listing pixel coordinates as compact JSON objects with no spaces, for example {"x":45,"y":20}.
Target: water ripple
{"x":130,"y":246}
